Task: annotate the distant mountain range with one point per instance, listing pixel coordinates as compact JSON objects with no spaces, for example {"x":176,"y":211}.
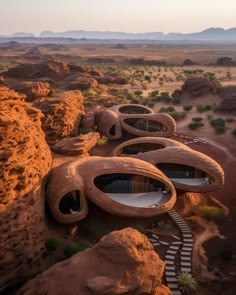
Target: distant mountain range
{"x":211,"y":34}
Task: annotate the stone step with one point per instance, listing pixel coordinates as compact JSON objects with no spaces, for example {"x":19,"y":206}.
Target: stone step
{"x":186,"y":264}
{"x":177,"y":243}
{"x":169,"y":262}
{"x":155,"y":236}
{"x":187,"y":249}
{"x":183,"y":253}
{"x":187,"y":236}
{"x":170,"y":257}
{"x":174,"y":248}
{"x":153,"y":240}
{"x":173,"y":286}
{"x":175,"y":237}
{"x":171,"y":279}
{"x":171,"y":252}
{"x":170,"y":273}
{"x":187,"y":240}
{"x":169,"y":267}
{"x":185,"y":269}
{"x":156,"y":244}
{"x":163,"y":243}
{"x":185,"y":258}
{"x":176,"y":292}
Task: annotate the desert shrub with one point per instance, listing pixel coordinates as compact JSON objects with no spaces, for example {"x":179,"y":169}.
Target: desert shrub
{"x":219,"y":129}
{"x":139,"y":228}
{"x":187,"y":108}
{"x":217,"y":122}
{"x":209,"y":212}
{"x":155,"y":99}
{"x":166,"y":109}
{"x":177,"y":115}
{"x":203,"y":108}
{"x":52,"y":244}
{"x":187,"y":283}
{"x":209,"y":117}
{"x":210,"y":75}
{"x":176,"y":100}
{"x":234,"y":132}
{"x":102,"y":140}
{"x":87,"y":130}
{"x":154,"y":93}
{"x":144,"y":86}
{"x":147,"y":78}
{"x":195,"y":125}
{"x":197,"y":119}
{"x":229,"y":120}
{"x":138,"y":93}
{"x":151,"y":104}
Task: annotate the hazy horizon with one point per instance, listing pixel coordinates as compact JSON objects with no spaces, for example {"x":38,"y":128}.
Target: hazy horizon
{"x":135,"y":16}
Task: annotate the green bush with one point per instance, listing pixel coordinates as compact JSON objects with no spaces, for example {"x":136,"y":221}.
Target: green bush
{"x":195,"y":125}
{"x":177,"y":115}
{"x":203,"y":108}
{"x":197,"y":119}
{"x":138,"y":93}
{"x":220,"y":129}
{"x":217,"y":122}
{"x":154,"y":93}
{"x":187,"y":283}
{"x":166,"y":109}
{"x":102,"y":140}
{"x":176,"y":100}
{"x":139,"y":228}
{"x":229,"y":120}
{"x":52,"y":244}
{"x":187,"y":108}
{"x":210,"y":212}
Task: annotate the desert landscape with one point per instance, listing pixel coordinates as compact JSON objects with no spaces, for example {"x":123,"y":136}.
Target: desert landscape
{"x":61,"y":121}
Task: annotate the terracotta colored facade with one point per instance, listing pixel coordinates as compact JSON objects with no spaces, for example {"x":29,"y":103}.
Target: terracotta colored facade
{"x":135,"y":119}
{"x":80,"y":175}
{"x":171,"y":151}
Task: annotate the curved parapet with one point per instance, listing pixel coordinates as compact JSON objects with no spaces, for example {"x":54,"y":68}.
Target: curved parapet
{"x":122,"y":186}
{"x":135,"y":119}
{"x":66,"y":195}
{"x":140,"y":145}
{"x":188,"y":169}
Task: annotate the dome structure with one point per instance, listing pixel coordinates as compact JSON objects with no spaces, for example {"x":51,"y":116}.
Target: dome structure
{"x":122,"y":186}
{"x":134,"y":119}
{"x":189,"y":170}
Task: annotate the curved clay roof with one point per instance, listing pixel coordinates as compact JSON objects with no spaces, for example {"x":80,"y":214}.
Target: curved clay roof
{"x":112,"y":118}
{"x":178,"y":153}
{"x":118,"y":108}
{"x":80,"y":175}
{"x":166,"y":142}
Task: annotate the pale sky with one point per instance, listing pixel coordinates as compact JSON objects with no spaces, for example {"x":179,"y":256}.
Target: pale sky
{"x":135,"y":16}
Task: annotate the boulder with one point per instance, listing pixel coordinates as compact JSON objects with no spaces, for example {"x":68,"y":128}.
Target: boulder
{"x":62,"y":115}
{"x":197,"y":86}
{"x":32,"y":90}
{"x":228,"y":94}
{"x":123,"y":262}
{"x":25,"y":159}
{"x":79,"y":145}
{"x":82,"y":83}
{"x":88,"y":120}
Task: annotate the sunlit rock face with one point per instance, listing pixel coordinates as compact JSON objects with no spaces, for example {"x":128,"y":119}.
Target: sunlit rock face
{"x":62,"y":115}
{"x":123,"y":262}
{"x":24,"y":159}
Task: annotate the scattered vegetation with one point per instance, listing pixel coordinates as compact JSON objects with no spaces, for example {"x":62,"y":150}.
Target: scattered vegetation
{"x":211,"y":213}
{"x":219,"y":125}
{"x":187,"y":283}
{"x":203,"y":108}
{"x":195,"y":125}
{"x":187,"y":108}
{"x":102,"y":140}
{"x":197,"y":119}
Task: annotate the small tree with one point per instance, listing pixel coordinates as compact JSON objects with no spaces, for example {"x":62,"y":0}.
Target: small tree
{"x":187,"y":108}
{"x":187,"y":283}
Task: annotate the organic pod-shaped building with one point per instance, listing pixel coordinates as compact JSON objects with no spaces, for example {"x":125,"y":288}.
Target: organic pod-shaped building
{"x":120,"y":185}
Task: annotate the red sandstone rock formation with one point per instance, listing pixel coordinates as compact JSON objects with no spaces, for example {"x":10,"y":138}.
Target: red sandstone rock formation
{"x":123,"y":262}
{"x":197,"y":86}
{"x":113,"y":80}
{"x":228,"y":93}
{"x":24,"y":159}
{"x":32,"y":90}
{"x":79,"y":145}
{"x":62,"y":115}
{"x":88,"y":120}
{"x":83,"y":83}
{"x":53,"y":69}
